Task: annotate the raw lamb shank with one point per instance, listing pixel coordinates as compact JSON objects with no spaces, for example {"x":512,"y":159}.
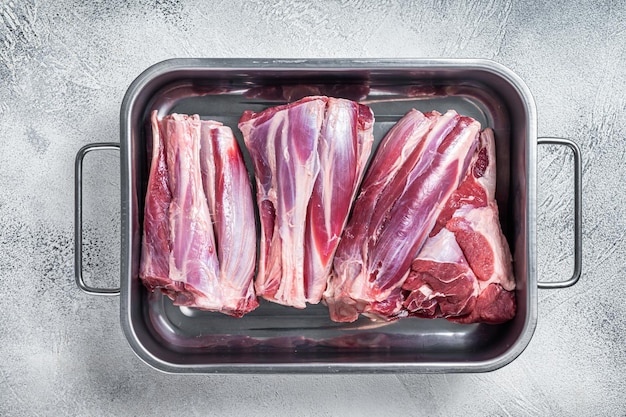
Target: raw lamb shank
{"x":309,"y":157}
{"x":198,"y":178}
{"x":464,"y":271}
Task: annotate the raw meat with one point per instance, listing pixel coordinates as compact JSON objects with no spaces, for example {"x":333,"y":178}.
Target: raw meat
{"x":441,"y":282}
{"x":418,"y":165}
{"x":193,"y":260}
{"x":478,"y":232}
{"x":296,"y":92}
{"x":178,"y":229}
{"x":344,"y":146}
{"x":481,"y":287}
{"x":154,"y":267}
{"x":308,"y":159}
{"x":282,"y":142}
{"x":494,"y":305}
{"x":228,"y":190}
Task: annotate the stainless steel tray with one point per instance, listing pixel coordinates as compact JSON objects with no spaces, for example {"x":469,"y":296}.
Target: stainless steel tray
{"x":275,"y":338}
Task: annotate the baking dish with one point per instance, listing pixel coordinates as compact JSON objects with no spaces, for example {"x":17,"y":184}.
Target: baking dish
{"x":275,"y":338}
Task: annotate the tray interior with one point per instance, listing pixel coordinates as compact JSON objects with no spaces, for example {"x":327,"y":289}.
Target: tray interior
{"x":184,"y":339}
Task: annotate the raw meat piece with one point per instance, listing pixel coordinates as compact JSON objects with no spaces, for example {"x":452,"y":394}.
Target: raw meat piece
{"x":479,"y":235}
{"x":296,"y":92}
{"x":178,"y":230}
{"x":494,"y":305}
{"x":417,"y":166}
{"x":441,"y":283}
{"x":478,"y":187}
{"x":470,"y":223}
{"x":228,"y":191}
{"x":344,"y":146}
{"x":154,"y":268}
{"x":303,"y":197}
{"x":282,"y":142}
{"x":193,"y":261}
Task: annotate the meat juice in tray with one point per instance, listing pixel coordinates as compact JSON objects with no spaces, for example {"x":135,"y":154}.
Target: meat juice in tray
{"x":423,"y":239}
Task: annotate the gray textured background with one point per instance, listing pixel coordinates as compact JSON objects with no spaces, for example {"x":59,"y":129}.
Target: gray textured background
{"x":64,"y":67}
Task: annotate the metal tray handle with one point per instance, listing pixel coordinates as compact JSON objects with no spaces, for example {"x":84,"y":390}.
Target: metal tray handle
{"x":577,"y":212}
{"x":78,"y":218}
